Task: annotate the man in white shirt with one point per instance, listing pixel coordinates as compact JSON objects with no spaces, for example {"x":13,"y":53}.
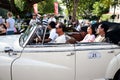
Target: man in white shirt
{"x":61,"y":35}
{"x":101,"y":31}
{"x":53,"y":35}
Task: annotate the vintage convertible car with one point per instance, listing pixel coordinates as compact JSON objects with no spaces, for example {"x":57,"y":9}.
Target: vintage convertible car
{"x":21,"y":58}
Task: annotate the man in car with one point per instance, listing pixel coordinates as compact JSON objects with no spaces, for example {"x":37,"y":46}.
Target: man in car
{"x":53,"y":35}
{"x":101,"y":31}
{"x":60,"y":31}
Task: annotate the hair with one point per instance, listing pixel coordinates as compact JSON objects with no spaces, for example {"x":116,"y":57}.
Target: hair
{"x":3,"y":25}
{"x":9,"y":14}
{"x":93,"y":29}
{"x":52,"y":24}
{"x":105,"y":27}
{"x":61,"y":25}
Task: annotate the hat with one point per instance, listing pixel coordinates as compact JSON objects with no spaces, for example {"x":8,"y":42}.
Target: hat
{"x":44,"y":15}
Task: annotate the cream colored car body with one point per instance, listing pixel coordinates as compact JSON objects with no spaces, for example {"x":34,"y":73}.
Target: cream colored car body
{"x":82,"y":61}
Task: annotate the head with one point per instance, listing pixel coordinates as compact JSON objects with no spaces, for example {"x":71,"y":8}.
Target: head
{"x":90,"y":30}
{"x":9,"y":14}
{"x":102,"y":29}
{"x":51,"y":25}
{"x":44,"y":16}
{"x":18,"y":16}
{"x":3,"y":28}
{"x":60,"y":28}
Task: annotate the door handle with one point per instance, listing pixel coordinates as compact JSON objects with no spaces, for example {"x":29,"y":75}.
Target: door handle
{"x":110,"y":51}
{"x":70,"y":54}
{"x":9,"y":51}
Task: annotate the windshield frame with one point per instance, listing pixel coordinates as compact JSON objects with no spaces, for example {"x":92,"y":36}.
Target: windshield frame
{"x":24,"y":38}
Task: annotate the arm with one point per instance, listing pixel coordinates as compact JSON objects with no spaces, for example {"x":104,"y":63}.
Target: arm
{"x":7,"y":24}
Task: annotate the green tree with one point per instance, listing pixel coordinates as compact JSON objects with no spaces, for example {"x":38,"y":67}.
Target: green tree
{"x":101,"y":7}
{"x":82,"y":8}
{"x":46,"y":6}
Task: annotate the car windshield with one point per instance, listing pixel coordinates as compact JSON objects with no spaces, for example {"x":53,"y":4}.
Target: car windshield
{"x":25,"y":35}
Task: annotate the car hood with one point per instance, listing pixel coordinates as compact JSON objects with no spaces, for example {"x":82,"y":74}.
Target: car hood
{"x":10,"y":41}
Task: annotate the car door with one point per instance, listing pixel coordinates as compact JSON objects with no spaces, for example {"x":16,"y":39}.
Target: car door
{"x":7,"y":57}
{"x":9,"y":51}
{"x":92,"y":60}
{"x":45,"y":62}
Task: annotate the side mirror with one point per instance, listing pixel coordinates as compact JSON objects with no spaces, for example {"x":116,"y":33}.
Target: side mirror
{"x":8,"y":49}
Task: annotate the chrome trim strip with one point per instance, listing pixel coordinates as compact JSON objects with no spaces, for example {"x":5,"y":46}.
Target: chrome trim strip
{"x":96,"y":49}
{"x":25,"y":51}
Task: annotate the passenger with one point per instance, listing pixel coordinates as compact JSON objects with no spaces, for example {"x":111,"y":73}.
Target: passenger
{"x":53,"y":35}
{"x":101,"y":31}
{"x":90,"y":37}
{"x":60,"y":27}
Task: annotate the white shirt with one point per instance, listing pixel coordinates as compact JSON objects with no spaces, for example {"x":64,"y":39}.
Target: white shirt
{"x":89,"y":38}
{"x":51,"y":19}
{"x":53,"y":35}
{"x":60,"y":39}
{"x":11,"y":23}
{"x":99,"y":38}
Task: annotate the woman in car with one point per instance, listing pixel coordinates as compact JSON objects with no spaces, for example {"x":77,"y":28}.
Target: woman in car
{"x":90,"y":37}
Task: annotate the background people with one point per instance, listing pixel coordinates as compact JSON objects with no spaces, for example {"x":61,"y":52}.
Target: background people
{"x":1,"y":20}
{"x":10,"y":24}
{"x":35,"y":19}
{"x":52,"y":18}
{"x":3,"y":29}
{"x":45,"y":20}
{"x":18,"y":22}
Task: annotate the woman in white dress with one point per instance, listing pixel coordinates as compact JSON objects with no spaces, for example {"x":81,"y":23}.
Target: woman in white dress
{"x":90,"y":37}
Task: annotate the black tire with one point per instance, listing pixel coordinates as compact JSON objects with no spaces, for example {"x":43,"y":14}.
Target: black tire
{"x":117,"y":76}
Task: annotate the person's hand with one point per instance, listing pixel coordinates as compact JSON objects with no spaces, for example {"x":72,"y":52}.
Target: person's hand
{"x":38,"y":40}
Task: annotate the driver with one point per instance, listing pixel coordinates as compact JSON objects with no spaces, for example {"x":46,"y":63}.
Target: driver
{"x":53,"y":35}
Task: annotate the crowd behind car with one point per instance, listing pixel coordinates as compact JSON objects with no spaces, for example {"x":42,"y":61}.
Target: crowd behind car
{"x":55,"y":27}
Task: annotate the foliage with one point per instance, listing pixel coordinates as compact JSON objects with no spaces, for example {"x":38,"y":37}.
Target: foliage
{"x":89,"y":8}
{"x":105,"y":17}
{"x":101,"y":7}
{"x":46,"y":6}
{"x":20,"y":4}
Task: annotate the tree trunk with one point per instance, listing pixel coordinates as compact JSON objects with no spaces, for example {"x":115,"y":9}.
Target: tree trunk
{"x":75,"y":6}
